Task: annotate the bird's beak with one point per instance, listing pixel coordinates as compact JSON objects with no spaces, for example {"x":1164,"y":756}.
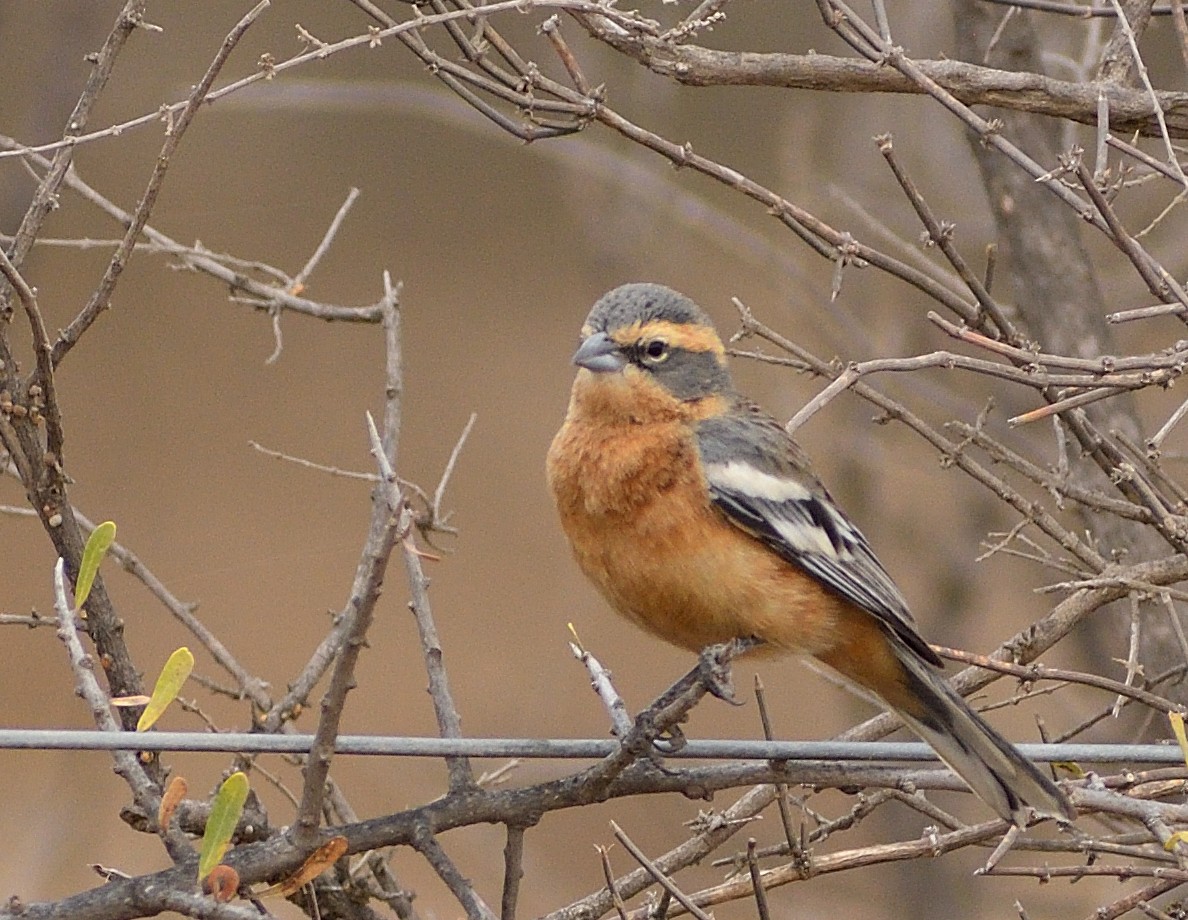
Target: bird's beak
{"x":600,"y":353}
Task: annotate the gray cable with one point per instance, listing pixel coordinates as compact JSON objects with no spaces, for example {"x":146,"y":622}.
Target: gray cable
{"x":554,"y":748}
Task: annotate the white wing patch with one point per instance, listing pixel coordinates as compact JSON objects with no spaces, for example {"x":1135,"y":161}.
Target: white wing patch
{"x":738,"y":476}
{"x":799,"y":529}
{"x":806,"y":537}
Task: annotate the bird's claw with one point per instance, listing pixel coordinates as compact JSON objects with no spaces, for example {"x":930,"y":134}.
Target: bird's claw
{"x":670,"y":741}
{"x":713,"y":667}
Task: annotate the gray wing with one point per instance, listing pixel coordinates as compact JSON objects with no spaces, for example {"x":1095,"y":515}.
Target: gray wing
{"x":760,"y":480}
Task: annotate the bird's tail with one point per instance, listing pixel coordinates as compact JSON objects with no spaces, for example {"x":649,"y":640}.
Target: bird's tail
{"x":1002,"y":777}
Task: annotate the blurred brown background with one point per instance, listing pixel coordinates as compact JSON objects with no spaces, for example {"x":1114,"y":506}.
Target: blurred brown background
{"x":502,"y":248}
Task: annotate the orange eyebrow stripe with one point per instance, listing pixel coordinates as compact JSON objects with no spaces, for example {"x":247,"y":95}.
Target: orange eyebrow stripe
{"x":678,"y":335}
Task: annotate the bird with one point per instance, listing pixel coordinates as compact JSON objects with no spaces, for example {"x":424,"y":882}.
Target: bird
{"x":699,"y":518}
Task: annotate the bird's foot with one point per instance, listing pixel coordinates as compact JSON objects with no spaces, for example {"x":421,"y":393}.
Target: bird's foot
{"x":670,"y":741}
{"x":713,"y":670}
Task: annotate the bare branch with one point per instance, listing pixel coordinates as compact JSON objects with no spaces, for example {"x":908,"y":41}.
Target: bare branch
{"x":679,"y":896}
{"x":448,"y":721}
{"x":436,"y":513}
{"x":941,"y":236}
{"x":603,"y":686}
{"x":327,"y":239}
{"x":42,"y":394}
{"x":390,"y":520}
{"x":513,"y":871}
{"x":129,"y":18}
{"x":1130,"y":110}
{"x":101,"y":297}
{"x":475,"y":907}
{"x":144,"y":790}
{"x":1034,"y":672}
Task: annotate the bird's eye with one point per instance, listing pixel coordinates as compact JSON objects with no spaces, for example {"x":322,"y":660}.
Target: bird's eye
{"x":655,"y":351}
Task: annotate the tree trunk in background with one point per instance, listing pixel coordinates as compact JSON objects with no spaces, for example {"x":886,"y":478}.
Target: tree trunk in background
{"x":1058,"y":299}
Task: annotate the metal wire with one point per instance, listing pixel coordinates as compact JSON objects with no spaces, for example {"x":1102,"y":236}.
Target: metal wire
{"x":553,"y":748}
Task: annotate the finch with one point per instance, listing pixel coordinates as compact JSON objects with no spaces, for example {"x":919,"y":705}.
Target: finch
{"x":699,"y":519}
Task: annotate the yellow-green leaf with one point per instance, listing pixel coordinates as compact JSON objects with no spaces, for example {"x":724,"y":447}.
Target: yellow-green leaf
{"x":1177,"y":724}
{"x":224,"y":816}
{"x":169,"y":684}
{"x":98,"y":543}
{"x":1177,"y":837}
{"x":1071,"y":767}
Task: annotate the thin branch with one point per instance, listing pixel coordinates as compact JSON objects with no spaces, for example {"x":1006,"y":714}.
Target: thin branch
{"x":611,"y":885}
{"x":604,"y":688}
{"x":1055,"y":482}
{"x":40,"y":404}
{"x":782,"y":790}
{"x":449,"y":722}
{"x":1064,"y":405}
{"x":448,"y":472}
{"x":1175,"y":495}
{"x":145,"y":792}
{"x":757,"y":881}
{"x":1131,"y":900}
{"x":1153,"y":913}
{"x":665,"y":882}
{"x":390,"y":519}
{"x":1174,"y":358}
{"x":216,"y":265}
{"x":931,"y":845}
{"x":370,"y":39}
{"x":1177,"y":627}
{"x":247,"y":684}
{"x":1047,"y":873}
{"x":1133,"y":667}
{"x":1075,"y":10}
{"x":1181,"y":24}
{"x":100,"y":298}
{"x":941,"y":235}
{"x":131,"y":15}
{"x":1159,"y":281}
{"x":513,"y":871}
{"x":427,"y":845}
{"x":987,"y":131}
{"x":1128,"y":32}
{"x":1009,"y":839}
{"x":1156,"y":440}
{"x":1035,"y":672}
{"x":1143,"y":157}
{"x":1159,"y":309}
{"x":822,"y":238}
{"x":324,"y":246}
{"x":311,"y":465}
{"x":949,"y":449}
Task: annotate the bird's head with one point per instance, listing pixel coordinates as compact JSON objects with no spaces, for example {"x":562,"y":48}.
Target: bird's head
{"x":649,"y":337}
